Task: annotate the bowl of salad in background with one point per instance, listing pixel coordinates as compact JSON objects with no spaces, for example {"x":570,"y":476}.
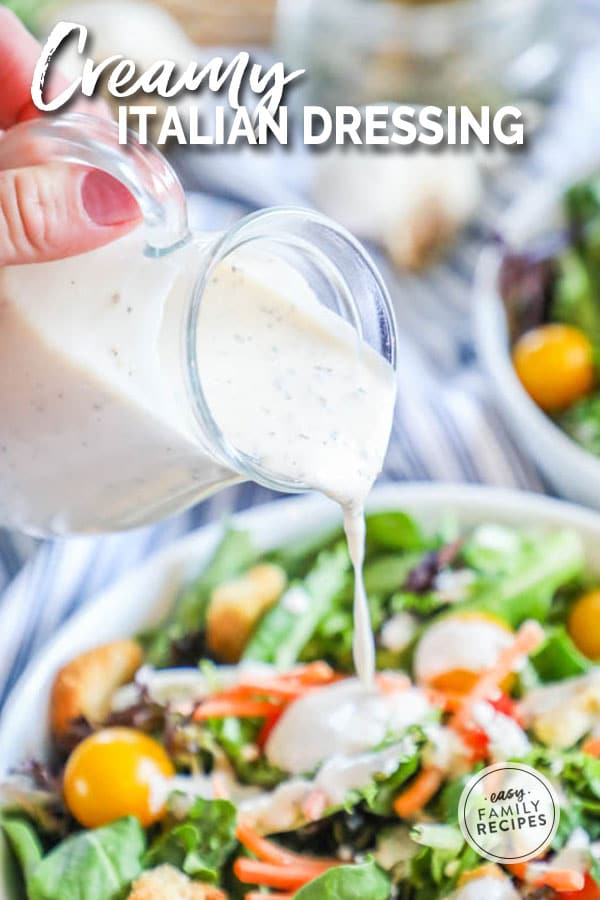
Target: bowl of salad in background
{"x":537,"y":316}
{"x":195,"y":733}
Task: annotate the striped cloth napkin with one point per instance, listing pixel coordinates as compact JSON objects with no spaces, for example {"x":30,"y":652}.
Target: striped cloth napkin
{"x":447,"y":427}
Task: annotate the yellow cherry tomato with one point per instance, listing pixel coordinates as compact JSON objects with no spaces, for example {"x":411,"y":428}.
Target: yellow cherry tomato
{"x":584,"y":624}
{"x":111,"y":774}
{"x":555,"y":364}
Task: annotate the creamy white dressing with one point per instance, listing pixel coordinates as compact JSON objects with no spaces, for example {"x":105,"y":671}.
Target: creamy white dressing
{"x":363,"y":641}
{"x":279,"y":809}
{"x":507,"y":738}
{"x":459,"y":643}
{"x":185,"y":684}
{"x":315,"y":423}
{"x":561,"y":714}
{"x":489,"y":887}
{"x":282,"y":808}
{"x":343,"y":719}
{"x":574,"y":857}
{"x":342,"y":774}
{"x":398,"y":632}
{"x":97,"y":431}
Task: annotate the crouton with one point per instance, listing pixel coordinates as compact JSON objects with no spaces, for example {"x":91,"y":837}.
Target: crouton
{"x":236,"y":607}
{"x":167,"y":883}
{"x":84,"y":686}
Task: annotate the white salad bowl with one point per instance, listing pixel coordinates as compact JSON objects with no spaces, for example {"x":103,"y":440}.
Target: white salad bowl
{"x":573,"y":471}
{"x":144,"y":594}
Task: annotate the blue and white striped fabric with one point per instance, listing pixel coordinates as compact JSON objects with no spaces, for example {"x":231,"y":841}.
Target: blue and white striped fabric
{"x":446,"y":428}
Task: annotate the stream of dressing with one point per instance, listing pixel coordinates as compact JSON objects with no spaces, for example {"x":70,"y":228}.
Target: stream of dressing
{"x":363,"y":642}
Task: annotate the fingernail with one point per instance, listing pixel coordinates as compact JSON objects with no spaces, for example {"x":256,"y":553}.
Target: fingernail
{"x":106,"y":200}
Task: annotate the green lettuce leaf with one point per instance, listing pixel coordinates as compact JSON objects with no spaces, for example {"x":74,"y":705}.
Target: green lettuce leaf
{"x":234,"y":554}
{"x":24,"y":843}
{"x":200,"y":844}
{"x":284,"y":631}
{"x":394,"y":530}
{"x":559,"y":658}
{"x":234,"y":735}
{"x":542,"y":566}
{"x":360,"y":882}
{"x":91,"y":864}
{"x":434,"y":872}
{"x":380,"y":794}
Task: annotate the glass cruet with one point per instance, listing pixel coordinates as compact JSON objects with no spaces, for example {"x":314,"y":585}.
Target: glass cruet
{"x":85,"y":450}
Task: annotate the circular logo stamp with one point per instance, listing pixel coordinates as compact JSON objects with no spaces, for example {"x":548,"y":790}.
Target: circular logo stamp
{"x":509,"y":813}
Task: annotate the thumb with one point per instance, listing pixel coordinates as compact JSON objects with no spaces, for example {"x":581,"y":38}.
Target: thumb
{"x":51,"y":211}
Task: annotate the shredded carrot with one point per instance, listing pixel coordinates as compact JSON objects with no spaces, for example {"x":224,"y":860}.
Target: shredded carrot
{"x":318,"y":672}
{"x":560,"y":880}
{"x":418,"y":795}
{"x":563,"y":881}
{"x":272,"y":687}
{"x":269,"y":725}
{"x":284,"y":687}
{"x":592,"y":747}
{"x":288,"y":877}
{"x":265,"y":850}
{"x":529,"y":636}
{"x":315,"y":805}
{"x":270,"y":852}
{"x":449,"y":701}
{"x":222,"y":708}
{"x":590,"y":891}
{"x":519,"y":870}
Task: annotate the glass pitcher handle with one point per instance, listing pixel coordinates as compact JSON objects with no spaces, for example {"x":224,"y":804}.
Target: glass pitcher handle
{"x":86,"y":140}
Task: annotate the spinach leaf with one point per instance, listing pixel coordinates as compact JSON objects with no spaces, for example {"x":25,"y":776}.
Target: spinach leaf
{"x":388,"y":573}
{"x":199,"y":845}
{"x":24,"y":843}
{"x":91,"y":864}
{"x":360,"y":882}
{"x":559,"y":658}
{"x":393,"y":530}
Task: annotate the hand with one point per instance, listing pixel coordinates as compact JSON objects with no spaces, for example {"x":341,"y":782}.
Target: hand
{"x":49,"y":211}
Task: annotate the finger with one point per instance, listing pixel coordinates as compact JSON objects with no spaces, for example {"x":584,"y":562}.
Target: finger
{"x":18,"y":56}
{"x":19,"y":53}
{"x":52,"y":211}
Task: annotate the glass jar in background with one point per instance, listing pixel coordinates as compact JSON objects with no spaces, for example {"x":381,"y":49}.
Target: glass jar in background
{"x":472,"y":52}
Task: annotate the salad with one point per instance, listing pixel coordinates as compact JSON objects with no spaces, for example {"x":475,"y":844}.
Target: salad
{"x":552,"y":297}
{"x":229,"y":752}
